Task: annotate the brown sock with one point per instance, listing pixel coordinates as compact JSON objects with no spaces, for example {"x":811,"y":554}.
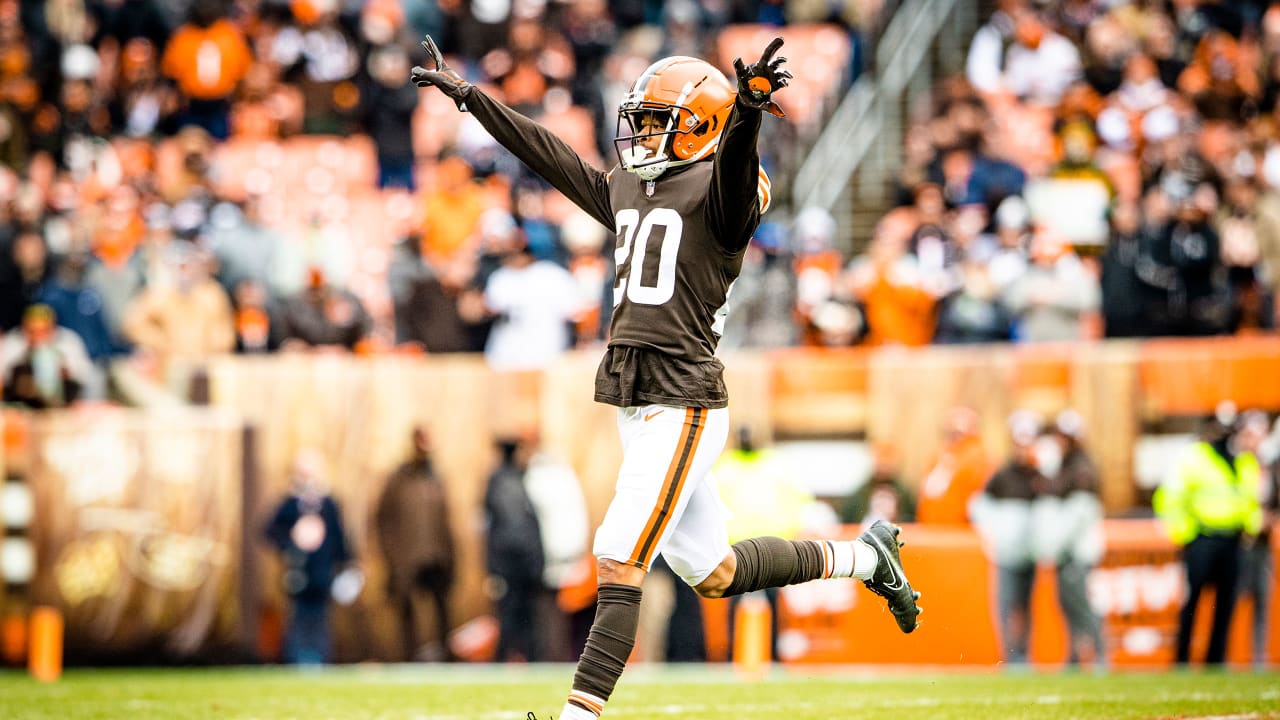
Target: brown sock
{"x":767,"y":562}
{"x":612,"y":636}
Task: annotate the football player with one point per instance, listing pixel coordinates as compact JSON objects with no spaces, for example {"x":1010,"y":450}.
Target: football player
{"x":684,"y":199}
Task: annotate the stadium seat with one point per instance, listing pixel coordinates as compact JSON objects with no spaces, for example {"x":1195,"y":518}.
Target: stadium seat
{"x":574,"y":125}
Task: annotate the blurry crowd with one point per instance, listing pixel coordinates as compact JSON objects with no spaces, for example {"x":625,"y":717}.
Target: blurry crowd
{"x":1101,"y":168}
{"x":126,"y":220}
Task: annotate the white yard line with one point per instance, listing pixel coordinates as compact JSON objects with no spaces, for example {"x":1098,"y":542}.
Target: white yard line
{"x":1248,"y":716}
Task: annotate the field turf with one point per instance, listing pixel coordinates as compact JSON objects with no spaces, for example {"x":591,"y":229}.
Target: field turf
{"x":701,"y":692}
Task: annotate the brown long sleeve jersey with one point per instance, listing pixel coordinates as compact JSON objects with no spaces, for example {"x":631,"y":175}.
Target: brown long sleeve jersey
{"x":680,"y":242}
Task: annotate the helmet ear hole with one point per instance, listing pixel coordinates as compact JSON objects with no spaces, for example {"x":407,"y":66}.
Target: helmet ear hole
{"x":702,"y":129}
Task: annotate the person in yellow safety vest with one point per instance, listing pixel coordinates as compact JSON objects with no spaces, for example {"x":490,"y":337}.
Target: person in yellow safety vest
{"x":1209,"y":504}
{"x":759,"y":492}
{"x":756,"y":487}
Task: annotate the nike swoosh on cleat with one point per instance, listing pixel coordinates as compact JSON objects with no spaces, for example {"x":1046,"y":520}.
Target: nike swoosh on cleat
{"x":898,"y":580}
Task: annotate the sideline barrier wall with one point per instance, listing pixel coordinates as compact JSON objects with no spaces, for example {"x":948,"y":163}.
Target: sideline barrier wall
{"x":359,"y":411}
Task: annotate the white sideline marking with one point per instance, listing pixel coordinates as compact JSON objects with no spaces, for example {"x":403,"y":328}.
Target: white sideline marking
{"x":1248,"y":716}
{"x":682,"y":710}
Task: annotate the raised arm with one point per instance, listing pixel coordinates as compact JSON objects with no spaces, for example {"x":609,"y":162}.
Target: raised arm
{"x":534,"y":145}
{"x":738,"y":188}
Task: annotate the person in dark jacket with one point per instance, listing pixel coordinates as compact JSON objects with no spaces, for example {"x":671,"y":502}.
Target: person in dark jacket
{"x":79,"y":307}
{"x":426,"y":301}
{"x":882,"y":496}
{"x":1257,"y":571}
{"x":1072,"y":496}
{"x":22,"y":271}
{"x":417,"y":543}
{"x":1002,"y":512}
{"x":307,"y":530}
{"x":388,"y":108}
{"x":1125,"y":297}
{"x":515,"y":556}
{"x":322,"y":315}
{"x":1185,"y":265}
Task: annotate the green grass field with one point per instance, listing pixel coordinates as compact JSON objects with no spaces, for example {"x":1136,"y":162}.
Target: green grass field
{"x":701,"y":692}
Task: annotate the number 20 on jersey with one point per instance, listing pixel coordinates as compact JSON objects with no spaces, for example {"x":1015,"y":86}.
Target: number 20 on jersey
{"x":630,"y":227}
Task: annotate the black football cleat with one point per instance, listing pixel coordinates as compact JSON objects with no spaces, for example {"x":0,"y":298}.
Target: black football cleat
{"x":889,"y":580}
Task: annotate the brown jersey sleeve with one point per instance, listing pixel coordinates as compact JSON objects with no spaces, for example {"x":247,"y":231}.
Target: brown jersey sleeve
{"x":732,"y":207}
{"x":545,"y":154}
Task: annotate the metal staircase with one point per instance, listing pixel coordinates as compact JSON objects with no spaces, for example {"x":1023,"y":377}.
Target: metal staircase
{"x":853,"y":165}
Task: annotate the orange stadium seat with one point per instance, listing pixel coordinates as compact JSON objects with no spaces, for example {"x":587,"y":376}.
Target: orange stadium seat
{"x":574,"y":125}
{"x":237,"y":162}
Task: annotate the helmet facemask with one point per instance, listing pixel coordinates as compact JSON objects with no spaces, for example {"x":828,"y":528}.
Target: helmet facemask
{"x":649,"y":134}
{"x":644,"y":138}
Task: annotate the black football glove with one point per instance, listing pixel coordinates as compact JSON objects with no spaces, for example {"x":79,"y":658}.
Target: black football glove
{"x":443,"y":77}
{"x":758,"y":82}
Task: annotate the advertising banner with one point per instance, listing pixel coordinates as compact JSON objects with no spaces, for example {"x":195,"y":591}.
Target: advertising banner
{"x":137,"y":529}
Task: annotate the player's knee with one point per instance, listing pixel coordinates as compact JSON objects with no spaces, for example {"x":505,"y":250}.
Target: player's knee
{"x":715,"y":584}
{"x":711,"y":590}
{"x":612,"y":572}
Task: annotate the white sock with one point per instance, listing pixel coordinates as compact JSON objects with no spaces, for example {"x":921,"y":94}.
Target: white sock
{"x":838,"y":558}
{"x":864,"y":559}
{"x":572,"y":711}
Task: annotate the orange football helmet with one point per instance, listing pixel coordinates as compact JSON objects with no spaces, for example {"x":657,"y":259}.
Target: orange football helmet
{"x":683,"y":101}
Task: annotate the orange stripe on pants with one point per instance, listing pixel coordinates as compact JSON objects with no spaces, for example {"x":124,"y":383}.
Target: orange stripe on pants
{"x":681,"y":461}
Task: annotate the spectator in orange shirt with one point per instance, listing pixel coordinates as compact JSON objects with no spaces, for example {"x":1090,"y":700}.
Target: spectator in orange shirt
{"x":961,"y":470}
{"x":454,"y":203}
{"x":207,"y":58}
{"x":899,"y":307}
